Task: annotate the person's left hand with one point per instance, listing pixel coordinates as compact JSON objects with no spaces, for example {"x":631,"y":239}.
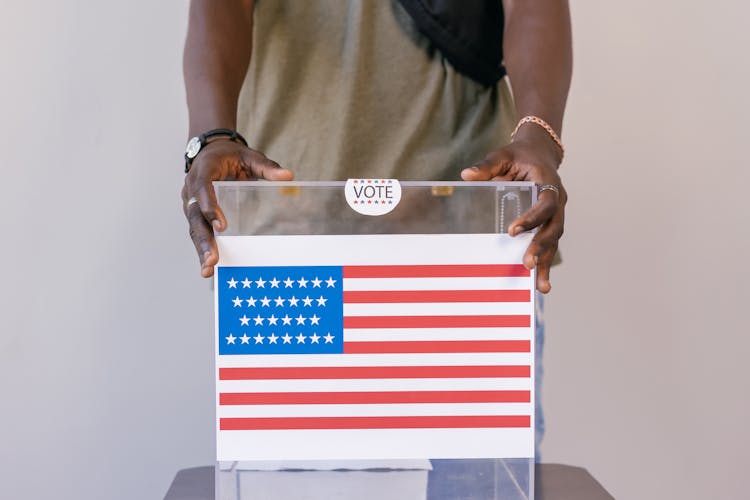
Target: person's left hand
{"x":531,"y":158}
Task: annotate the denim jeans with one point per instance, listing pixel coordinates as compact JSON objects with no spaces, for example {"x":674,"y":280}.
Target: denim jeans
{"x":538,"y":372}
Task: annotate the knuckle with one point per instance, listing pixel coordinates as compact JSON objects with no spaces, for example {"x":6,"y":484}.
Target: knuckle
{"x":261,"y":160}
{"x":194,"y":233}
{"x":253,"y":155}
{"x":198,"y":235}
{"x":210,"y":214}
{"x":248,"y":160}
{"x":552,"y":236}
{"x":191,"y":181}
{"x":531,"y":220}
{"x":195,"y":217}
{"x":543,"y":242}
{"x":201,"y":178}
{"x":272,"y":164}
{"x":545,"y":260}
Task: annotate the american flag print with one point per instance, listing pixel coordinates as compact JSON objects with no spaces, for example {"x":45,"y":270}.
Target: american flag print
{"x":327,"y":357}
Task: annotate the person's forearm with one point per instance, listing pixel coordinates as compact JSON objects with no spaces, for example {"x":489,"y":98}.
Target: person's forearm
{"x":215,"y":61}
{"x":538,"y":57}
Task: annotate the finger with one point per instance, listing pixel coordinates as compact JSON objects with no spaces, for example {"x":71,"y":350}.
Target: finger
{"x":199,"y":186}
{"x":546,"y":239}
{"x":543,"y":269}
{"x":263,"y":168}
{"x":203,"y":239}
{"x":209,"y":206}
{"x":540,"y":212}
{"x":492,"y":167}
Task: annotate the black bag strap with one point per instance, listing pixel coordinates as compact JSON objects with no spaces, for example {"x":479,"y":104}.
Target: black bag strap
{"x":469,"y":33}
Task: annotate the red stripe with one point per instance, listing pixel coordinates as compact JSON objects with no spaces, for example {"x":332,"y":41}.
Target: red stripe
{"x":421,"y":422}
{"x":368,"y":372}
{"x":324,"y":398}
{"x":519,"y":320}
{"x":435,"y":346}
{"x":404,"y":296}
{"x":446,"y":271}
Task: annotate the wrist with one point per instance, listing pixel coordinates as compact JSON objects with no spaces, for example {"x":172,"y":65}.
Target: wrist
{"x":541,"y":136}
{"x":199,"y":142}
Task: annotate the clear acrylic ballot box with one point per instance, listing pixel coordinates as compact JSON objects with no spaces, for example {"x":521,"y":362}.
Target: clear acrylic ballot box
{"x":374,"y":340}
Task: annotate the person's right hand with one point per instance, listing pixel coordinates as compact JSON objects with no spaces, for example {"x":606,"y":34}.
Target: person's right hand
{"x":220,"y":160}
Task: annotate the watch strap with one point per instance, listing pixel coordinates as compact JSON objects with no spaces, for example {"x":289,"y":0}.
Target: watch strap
{"x":205,"y":138}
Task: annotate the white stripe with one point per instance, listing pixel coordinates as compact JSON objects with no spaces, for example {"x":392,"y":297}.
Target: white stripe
{"x":374,"y":410}
{"x":395,"y":334}
{"x":375,"y":443}
{"x":438,"y":309}
{"x":450,"y":359}
{"x":349,"y":385}
{"x":377,"y":284}
{"x":346,"y":250}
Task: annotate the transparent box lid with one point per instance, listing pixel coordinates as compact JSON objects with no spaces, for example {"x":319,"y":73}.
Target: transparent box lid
{"x":276,"y":208}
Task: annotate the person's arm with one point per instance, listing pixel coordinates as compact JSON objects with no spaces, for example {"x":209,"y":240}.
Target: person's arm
{"x":538,"y":57}
{"x":216,"y":58}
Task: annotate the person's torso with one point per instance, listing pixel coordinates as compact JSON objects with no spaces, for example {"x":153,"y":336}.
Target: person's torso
{"x":344,"y":89}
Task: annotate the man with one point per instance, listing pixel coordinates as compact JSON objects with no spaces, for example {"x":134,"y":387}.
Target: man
{"x":537,"y":55}
{"x":336,"y":89}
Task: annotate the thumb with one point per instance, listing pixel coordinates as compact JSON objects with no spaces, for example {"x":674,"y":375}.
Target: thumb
{"x":494,"y":165}
{"x":261,"y":167}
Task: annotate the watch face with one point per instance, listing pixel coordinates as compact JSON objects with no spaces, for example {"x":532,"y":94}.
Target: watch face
{"x":193,"y":146}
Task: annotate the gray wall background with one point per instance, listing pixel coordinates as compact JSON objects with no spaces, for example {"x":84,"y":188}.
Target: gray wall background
{"x":105,"y":329}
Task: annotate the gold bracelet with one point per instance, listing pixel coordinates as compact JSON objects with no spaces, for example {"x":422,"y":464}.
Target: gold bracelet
{"x":544,"y":125}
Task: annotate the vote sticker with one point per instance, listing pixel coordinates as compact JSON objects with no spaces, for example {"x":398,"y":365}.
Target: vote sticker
{"x":373,"y":196}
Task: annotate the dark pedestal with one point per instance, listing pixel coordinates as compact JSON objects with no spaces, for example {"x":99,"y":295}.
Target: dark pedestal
{"x":553,"y":482}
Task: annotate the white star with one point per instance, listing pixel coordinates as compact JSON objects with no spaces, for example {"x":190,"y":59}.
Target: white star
{"x":274,"y":282}
{"x":300,"y":320}
{"x":258,"y":320}
{"x":279,"y":301}
{"x":231,"y":339}
{"x":260,"y":283}
{"x":316,"y":282}
{"x":245,"y":339}
{"x":287,"y":320}
{"x":322,"y":301}
{"x":250,"y":302}
{"x":308,"y":301}
{"x":237,"y":302}
{"x":288,"y":282}
{"x":329,"y":338}
{"x":286,"y":338}
{"x":265,"y":301}
{"x":302,"y":282}
{"x":259,"y":338}
{"x":272,"y":320}
{"x":273,"y":338}
{"x":244,"y":320}
{"x":314,"y":338}
{"x":246,"y":283}
{"x":232,"y":283}
{"x":300,"y":338}
{"x":314,"y":320}
{"x":330,"y":282}
{"x":293,"y":301}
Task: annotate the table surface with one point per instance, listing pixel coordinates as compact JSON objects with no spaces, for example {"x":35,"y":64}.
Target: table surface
{"x":552,"y":482}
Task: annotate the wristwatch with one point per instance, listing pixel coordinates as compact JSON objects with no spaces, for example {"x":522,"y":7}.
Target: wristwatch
{"x":197,"y":143}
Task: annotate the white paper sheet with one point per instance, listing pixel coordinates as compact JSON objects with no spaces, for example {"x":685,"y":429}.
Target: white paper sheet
{"x":374,"y":347}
